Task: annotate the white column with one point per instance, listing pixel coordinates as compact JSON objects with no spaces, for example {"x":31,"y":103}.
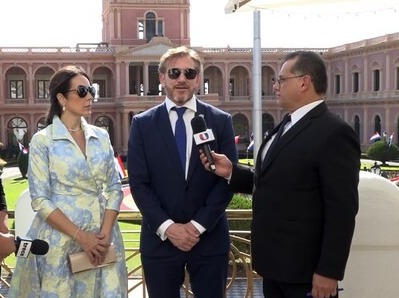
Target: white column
{"x":30,"y":79}
{"x":118,"y":24}
{"x":2,"y":89}
{"x":145,"y":78}
{"x":125,"y":130}
{"x":388,"y":68}
{"x":366,"y":124}
{"x":118,"y":124}
{"x":226,"y":95}
{"x":126,"y":66}
{"x":3,"y":131}
{"x":365,"y":75}
{"x":117,"y":79}
{"x":347,"y":77}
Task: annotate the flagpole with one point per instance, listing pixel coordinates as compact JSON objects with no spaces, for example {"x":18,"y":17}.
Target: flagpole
{"x":256,"y":84}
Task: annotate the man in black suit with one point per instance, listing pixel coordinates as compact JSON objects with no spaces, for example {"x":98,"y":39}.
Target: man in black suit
{"x":183,"y":205}
{"x":305,"y":195}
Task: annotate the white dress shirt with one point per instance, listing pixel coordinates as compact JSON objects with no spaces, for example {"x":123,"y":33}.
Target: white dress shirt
{"x":188,"y":115}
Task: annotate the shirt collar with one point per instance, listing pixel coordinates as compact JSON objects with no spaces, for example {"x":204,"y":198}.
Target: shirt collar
{"x":61,"y":132}
{"x":302,"y":111}
{"x":191,"y":104}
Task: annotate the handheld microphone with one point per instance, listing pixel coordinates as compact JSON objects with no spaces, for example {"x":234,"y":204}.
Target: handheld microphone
{"x":202,"y":137}
{"x":26,"y":246}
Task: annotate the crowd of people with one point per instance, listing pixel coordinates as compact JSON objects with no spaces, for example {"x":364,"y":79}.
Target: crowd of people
{"x":302,"y":223}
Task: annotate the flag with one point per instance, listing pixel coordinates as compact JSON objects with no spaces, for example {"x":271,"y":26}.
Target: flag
{"x":390,"y":140}
{"x":120,"y":167}
{"x":22,"y":148}
{"x":236,"y":139}
{"x":394,"y":179}
{"x":250,"y":146}
{"x":375,"y":137}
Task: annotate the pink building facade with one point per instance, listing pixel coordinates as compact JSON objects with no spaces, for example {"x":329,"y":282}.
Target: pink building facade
{"x":363,"y":76}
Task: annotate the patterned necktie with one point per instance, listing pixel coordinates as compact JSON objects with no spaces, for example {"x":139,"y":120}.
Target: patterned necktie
{"x":180,"y":135}
{"x":287,"y":118}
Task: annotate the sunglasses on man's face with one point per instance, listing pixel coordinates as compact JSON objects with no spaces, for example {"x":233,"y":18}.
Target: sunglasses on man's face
{"x":83,"y":90}
{"x":189,"y":73}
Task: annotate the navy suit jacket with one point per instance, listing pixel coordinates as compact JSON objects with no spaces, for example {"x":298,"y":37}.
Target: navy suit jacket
{"x":305,"y":200}
{"x":160,"y":189}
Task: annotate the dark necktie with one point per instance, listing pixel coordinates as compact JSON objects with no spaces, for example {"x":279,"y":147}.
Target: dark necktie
{"x":287,"y":118}
{"x":180,"y":135}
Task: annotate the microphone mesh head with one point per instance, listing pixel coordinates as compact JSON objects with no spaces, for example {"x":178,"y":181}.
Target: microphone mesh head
{"x":198,"y":124}
{"x":39,"y":247}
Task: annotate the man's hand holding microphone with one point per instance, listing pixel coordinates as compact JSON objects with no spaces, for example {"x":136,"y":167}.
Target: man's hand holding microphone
{"x":21,"y":247}
{"x":216,"y":163}
{"x":7,"y":245}
{"x":223,"y":166}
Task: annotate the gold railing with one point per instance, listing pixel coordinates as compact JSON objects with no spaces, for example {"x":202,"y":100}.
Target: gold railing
{"x":240,"y":267}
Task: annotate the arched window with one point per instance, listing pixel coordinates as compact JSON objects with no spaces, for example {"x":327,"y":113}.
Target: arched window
{"x":41,"y":124}
{"x":240,"y":123}
{"x":357,"y":125}
{"x":150,"y":26}
{"x":396,"y":77}
{"x":267,"y":123}
{"x":337,"y":84}
{"x":17,"y":132}
{"x":106,"y":123}
{"x":377,"y":124}
{"x":376,"y":80}
{"x":355,"y":83}
{"x":241,"y":129}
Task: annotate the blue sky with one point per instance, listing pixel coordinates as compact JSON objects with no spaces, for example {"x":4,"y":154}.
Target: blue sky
{"x":66,"y":23}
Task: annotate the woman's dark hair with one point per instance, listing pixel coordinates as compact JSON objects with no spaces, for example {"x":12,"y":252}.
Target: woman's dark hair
{"x":60,"y":82}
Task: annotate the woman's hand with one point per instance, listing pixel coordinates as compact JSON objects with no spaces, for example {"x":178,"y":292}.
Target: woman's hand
{"x":95,"y":245}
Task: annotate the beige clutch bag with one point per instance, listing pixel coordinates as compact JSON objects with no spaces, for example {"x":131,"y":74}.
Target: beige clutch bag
{"x":79,"y":261}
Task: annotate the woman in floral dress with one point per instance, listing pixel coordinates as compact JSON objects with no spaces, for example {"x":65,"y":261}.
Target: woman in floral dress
{"x":76,"y":192}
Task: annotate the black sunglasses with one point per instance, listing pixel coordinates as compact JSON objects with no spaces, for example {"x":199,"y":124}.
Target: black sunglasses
{"x":83,"y":90}
{"x":189,"y":73}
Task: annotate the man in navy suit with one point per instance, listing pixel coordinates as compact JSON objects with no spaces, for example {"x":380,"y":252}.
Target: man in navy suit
{"x":183,"y":205}
{"x":304,"y":186}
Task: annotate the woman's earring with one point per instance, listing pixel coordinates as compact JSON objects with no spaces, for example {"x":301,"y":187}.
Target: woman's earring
{"x":63,"y":108}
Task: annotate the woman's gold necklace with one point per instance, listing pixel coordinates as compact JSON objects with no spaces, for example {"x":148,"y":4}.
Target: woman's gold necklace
{"x":74,"y":129}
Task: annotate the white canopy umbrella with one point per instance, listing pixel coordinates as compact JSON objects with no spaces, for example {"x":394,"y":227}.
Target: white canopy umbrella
{"x":307,"y":7}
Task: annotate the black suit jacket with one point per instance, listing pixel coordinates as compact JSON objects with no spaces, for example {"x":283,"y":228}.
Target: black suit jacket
{"x":305,"y":200}
{"x":160,"y":189}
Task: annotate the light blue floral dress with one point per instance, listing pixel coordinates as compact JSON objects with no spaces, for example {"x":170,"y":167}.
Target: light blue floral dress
{"x":82,"y":188}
